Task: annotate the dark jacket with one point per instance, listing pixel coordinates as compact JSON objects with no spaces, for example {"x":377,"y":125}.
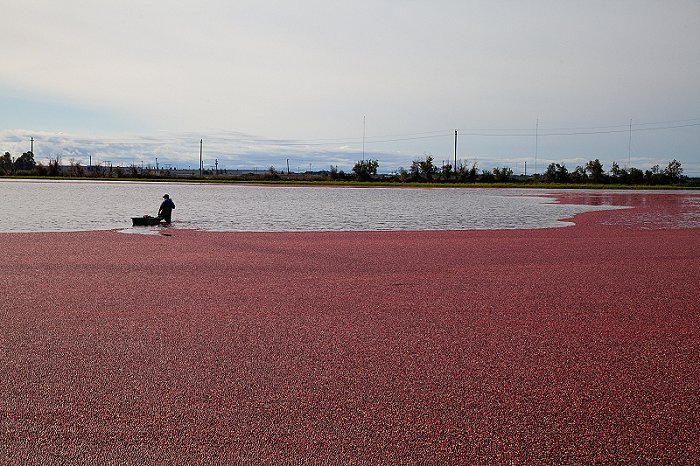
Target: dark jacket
{"x":166,"y":206}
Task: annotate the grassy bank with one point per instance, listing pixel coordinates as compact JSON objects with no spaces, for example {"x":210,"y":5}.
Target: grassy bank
{"x":691,"y":184}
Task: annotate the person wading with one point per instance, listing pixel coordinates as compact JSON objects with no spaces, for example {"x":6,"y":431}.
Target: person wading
{"x":166,"y":209}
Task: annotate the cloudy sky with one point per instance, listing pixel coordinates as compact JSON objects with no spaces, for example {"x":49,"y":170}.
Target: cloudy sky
{"x":315,"y":82}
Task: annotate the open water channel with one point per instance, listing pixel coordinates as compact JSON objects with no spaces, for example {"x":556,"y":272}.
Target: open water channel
{"x":38,"y":205}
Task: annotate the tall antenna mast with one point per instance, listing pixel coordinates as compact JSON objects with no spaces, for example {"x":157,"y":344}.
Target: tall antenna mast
{"x":537,"y":134}
{"x":629,"y":147}
{"x":363,"y":137}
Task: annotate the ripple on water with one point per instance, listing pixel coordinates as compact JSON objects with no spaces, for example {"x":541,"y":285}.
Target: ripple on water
{"x":68,"y":206}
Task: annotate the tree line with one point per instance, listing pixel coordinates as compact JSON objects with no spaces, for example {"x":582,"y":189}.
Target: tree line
{"x":11,"y":166}
{"x":423,"y":170}
{"x":27,"y":166}
{"x":593,"y":172}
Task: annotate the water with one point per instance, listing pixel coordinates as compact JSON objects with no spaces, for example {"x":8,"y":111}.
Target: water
{"x":38,"y":205}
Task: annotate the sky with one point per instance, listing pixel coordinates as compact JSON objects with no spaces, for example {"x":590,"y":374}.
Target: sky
{"x":323,"y":83}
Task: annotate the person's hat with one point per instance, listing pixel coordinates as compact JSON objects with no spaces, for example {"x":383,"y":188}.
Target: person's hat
{"x":165,"y":196}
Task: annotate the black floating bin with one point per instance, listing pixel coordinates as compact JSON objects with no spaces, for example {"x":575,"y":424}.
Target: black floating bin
{"x":146,"y":221}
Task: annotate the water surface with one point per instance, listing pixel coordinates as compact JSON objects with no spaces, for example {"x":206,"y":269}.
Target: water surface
{"x":47,"y":205}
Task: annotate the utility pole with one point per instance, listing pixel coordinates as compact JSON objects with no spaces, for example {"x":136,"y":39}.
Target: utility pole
{"x":200,"y":158}
{"x":455,"y":167}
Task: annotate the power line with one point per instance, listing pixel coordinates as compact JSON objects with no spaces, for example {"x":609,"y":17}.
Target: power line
{"x":624,"y":130}
{"x":480,"y":133}
{"x":473,"y":132}
{"x":587,"y":128}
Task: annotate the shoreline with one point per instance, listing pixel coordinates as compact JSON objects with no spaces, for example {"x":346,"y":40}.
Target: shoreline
{"x":559,"y":345}
{"x":378,"y":184}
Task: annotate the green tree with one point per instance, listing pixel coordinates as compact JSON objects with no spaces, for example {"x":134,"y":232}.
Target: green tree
{"x":635,"y":176}
{"x":655,"y":175}
{"x":556,"y":173}
{"x":40,"y":170}
{"x":364,"y":170}
{"x":550,"y":174}
{"x":446,"y":171}
{"x":335,"y":175}
{"x":578,"y":175}
{"x":271,"y":174}
{"x":55,"y":167}
{"x":25,"y":162}
{"x":617,"y":172}
{"x":487,"y":176}
{"x":674,"y":171}
{"x":7,"y":164}
{"x":466,"y":173}
{"x":502,"y":174}
{"x":423,"y":170}
{"x":595,"y":169}
{"x":75,"y":168}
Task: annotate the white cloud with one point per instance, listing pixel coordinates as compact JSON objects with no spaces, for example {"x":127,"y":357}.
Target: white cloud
{"x":313,"y":69}
{"x":489,"y":149}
